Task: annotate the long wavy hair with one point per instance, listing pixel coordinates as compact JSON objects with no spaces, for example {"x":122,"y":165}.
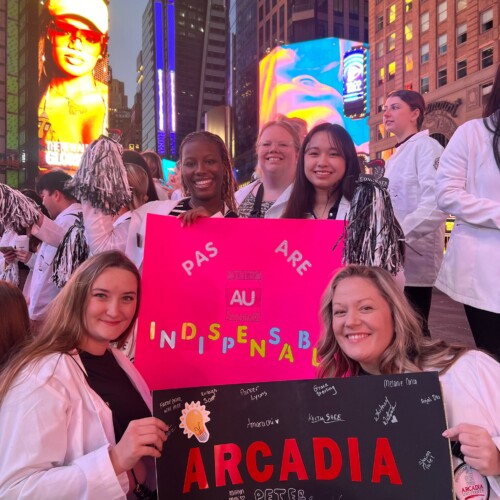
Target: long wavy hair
{"x":15,"y":324}
{"x":228,"y":183}
{"x":64,"y":328}
{"x":491,"y":109}
{"x":409,"y":351}
{"x":303,"y":192}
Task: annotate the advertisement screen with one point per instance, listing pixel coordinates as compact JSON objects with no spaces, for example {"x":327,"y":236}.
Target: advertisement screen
{"x":306,"y":80}
{"x":73,"y":81}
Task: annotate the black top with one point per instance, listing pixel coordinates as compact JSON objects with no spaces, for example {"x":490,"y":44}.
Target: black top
{"x":184,"y":206}
{"x":111,"y":383}
{"x":332,"y":214}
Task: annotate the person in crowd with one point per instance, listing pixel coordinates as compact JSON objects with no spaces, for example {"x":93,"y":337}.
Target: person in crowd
{"x":325,"y":180}
{"x":468,"y":187}
{"x":15,"y":324}
{"x":207,"y":179}
{"x":78,"y":413}
{"x":411,"y":171}
{"x":63,"y":210}
{"x":106,"y":232}
{"x":278,"y":147}
{"x":369,"y":328}
{"x":73,"y":107}
{"x":153,"y":160}
{"x":130,"y":156}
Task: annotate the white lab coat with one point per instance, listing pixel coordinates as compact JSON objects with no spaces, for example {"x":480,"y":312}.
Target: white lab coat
{"x":51,"y":232}
{"x":468,"y":187}
{"x":411,"y":171}
{"x":55,"y":434}
{"x":471,"y":395}
{"x":277,"y":208}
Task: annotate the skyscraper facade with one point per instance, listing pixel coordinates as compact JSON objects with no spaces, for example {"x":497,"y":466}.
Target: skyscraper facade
{"x":447,"y":50}
{"x":184,"y":69}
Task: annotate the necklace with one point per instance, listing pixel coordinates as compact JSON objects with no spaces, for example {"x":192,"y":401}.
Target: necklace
{"x":73,"y":107}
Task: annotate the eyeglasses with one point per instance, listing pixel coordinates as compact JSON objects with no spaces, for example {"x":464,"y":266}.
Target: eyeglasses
{"x":278,"y":145}
{"x":67,"y":31}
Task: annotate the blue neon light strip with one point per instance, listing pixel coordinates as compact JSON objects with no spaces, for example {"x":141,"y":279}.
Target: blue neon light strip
{"x":159,"y":75}
{"x":171,"y":74}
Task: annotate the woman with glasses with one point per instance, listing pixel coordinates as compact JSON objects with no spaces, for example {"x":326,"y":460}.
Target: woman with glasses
{"x":278,"y":147}
{"x":73,"y":103}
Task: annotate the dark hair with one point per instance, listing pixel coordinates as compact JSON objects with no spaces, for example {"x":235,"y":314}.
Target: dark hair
{"x":54,"y":180}
{"x":491,"y":109}
{"x":414,"y":100}
{"x":130,"y":156}
{"x":303,"y":193}
{"x":228,"y":183}
{"x":15,"y":324}
{"x":153,"y":161}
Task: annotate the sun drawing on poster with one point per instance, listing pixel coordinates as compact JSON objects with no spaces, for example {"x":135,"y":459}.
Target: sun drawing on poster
{"x":193,"y":420}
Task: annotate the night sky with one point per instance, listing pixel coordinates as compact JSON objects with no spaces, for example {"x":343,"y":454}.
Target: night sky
{"x":125,"y":32}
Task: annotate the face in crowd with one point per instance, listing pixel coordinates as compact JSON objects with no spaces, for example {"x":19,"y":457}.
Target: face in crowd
{"x":399,"y":118}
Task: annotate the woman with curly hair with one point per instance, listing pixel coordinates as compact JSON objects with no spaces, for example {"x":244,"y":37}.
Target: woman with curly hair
{"x":369,"y":328}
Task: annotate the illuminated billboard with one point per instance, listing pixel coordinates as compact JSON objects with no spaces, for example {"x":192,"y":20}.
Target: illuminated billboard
{"x":73,"y":80}
{"x":319,"y":81}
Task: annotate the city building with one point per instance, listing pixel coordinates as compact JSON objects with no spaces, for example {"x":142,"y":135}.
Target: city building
{"x":119,"y":112}
{"x":447,"y":50}
{"x":183,"y":68}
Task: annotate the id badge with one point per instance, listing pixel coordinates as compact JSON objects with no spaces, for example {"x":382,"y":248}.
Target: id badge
{"x":470,"y":484}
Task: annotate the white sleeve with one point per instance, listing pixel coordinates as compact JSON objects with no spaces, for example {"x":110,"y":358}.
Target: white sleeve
{"x":51,"y":232}
{"x":451,"y":185}
{"x":101,"y":232}
{"x":427,"y":217}
{"x":34,"y":442}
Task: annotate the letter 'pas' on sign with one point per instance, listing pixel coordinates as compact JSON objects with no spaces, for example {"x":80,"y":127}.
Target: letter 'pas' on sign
{"x":200,"y":258}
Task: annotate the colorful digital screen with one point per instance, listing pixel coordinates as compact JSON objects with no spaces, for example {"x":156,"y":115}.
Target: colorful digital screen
{"x":73,"y":81}
{"x":355,"y":83}
{"x":306,"y":80}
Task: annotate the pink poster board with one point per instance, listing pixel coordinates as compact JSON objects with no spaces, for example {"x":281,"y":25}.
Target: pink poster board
{"x":233,"y":300}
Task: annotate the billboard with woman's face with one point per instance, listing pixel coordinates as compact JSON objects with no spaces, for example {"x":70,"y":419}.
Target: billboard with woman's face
{"x":73,"y":81}
{"x":318,"y":81}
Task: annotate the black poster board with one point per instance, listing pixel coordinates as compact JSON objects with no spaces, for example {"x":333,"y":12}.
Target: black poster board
{"x":368,"y":437}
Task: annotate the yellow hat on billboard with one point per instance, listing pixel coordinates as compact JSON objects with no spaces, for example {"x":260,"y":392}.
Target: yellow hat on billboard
{"x":94,"y":11}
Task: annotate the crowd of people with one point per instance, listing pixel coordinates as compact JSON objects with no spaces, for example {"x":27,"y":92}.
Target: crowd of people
{"x":75,"y":415}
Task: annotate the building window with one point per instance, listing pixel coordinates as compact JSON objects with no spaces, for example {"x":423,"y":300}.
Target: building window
{"x":353,"y":33}
{"x":486,"y":20}
{"x":442,"y":12}
{"x":486,"y":92}
{"x":408,"y":5}
{"x":391,"y":70}
{"x":461,"y":4}
{"x":408,"y":32}
{"x":391,"y":14}
{"x":391,"y":42}
{"x":380,"y":131}
{"x":486,"y":57}
{"x":424,"y":85}
{"x":408,"y":61}
{"x":338,"y":30}
{"x":442,"y":44}
{"x":381,"y":76}
{"x":380,"y":49}
{"x":424,"y":22}
{"x":461,"y":33}
{"x":442,"y":77}
{"x":461,"y":68}
{"x":380,"y":104}
{"x":354,"y":8}
{"x":424,"y":53}
{"x":380,"y":23}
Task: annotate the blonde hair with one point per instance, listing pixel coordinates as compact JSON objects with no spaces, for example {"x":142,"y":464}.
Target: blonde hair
{"x":409,"y":351}
{"x":64,"y":328}
{"x":285,"y":125}
{"x":138,"y":181}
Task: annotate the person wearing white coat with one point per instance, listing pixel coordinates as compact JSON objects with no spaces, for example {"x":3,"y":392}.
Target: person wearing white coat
{"x":411,"y":171}
{"x":278,"y":146}
{"x":75,"y":415}
{"x":468,"y":187}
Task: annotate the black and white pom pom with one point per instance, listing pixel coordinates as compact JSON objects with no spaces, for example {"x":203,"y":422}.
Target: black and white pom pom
{"x":17,"y":211}
{"x":101,"y":178}
{"x":373,"y":236}
{"x":72,"y":252}
{"x":10,"y":273}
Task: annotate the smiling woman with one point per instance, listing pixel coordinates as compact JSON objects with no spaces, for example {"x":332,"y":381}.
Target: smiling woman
{"x":70,"y":389}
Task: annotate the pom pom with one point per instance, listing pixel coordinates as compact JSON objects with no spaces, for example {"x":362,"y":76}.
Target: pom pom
{"x":101,"y":178}
{"x":373,"y":236}
{"x":10,"y":273}
{"x":72,"y":251}
{"x":17,"y":211}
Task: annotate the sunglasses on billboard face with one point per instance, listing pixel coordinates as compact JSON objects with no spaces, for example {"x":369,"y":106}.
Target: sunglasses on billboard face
{"x":66,"y":30}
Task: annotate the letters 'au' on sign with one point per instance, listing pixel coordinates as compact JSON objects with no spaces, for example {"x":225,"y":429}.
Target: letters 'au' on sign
{"x":233,"y":300}
{"x":361,"y":437}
